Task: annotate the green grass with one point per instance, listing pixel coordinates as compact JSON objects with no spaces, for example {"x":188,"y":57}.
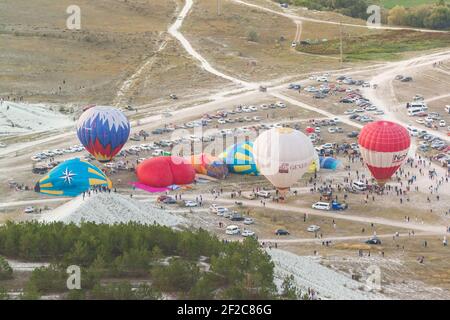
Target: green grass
{"x":405,"y":3}
{"x":383,"y":47}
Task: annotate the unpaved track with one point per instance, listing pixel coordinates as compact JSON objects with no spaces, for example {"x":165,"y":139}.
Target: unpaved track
{"x":174,"y":31}
{"x":428,"y":228}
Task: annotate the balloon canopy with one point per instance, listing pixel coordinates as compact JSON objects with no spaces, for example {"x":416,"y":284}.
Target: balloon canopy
{"x":71,"y":178}
{"x":314,"y":167}
{"x":239,"y":158}
{"x":310,"y":130}
{"x":329,"y":163}
{"x":283,"y":155}
{"x":162,"y":172}
{"x":103,"y":131}
{"x":209,"y":165}
{"x":384,"y":148}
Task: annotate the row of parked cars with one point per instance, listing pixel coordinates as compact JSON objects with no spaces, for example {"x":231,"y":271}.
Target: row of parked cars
{"x":428,"y":140}
{"x":57,"y":152}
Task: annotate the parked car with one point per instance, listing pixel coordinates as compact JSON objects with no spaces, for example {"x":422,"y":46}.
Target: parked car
{"x":248,"y":221}
{"x":29,"y":210}
{"x":359,"y":185}
{"x":263,"y":194}
{"x":313,"y":228}
{"x":248,"y":233}
{"x":282,"y":232}
{"x":232,"y":230}
{"x":321,"y":206}
{"x":374,"y":241}
{"x":190,"y":204}
{"x":237,"y":217}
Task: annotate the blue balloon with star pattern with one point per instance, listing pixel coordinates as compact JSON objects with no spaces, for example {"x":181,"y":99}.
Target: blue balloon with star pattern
{"x":71,"y":178}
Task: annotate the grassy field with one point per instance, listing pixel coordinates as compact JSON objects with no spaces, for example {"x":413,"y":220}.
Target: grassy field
{"x":405,"y":3}
{"x":386,"y":46}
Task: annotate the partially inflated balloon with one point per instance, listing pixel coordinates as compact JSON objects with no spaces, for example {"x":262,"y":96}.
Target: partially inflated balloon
{"x":239,"y":158}
{"x":71,"y":178}
{"x":384,"y":147}
{"x":329,"y":163}
{"x":103,"y":131}
{"x":161,"y":172}
{"x":283,"y":155}
{"x":314,"y":167}
{"x":209,"y":165}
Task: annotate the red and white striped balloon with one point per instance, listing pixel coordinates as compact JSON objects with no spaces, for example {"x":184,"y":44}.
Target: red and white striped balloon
{"x":384,"y":148}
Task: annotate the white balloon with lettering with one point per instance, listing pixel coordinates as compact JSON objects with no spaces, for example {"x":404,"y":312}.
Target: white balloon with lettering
{"x":283,"y":155}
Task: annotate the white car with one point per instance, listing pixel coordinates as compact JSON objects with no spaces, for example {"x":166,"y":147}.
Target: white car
{"x":249,"y":221}
{"x":327,"y":146}
{"x":190,"y":204}
{"x":248,"y":233}
{"x":442,"y":123}
{"x":257,"y":118}
{"x":2,"y":145}
{"x":313,"y":228}
{"x":222,"y":121}
{"x":317,"y":130}
{"x":29,"y":210}
{"x":332,"y":130}
{"x":222,"y":211}
{"x":281,"y":105}
{"x":232,"y":230}
{"x":321,"y":206}
{"x":322,"y":79}
{"x":359,"y":185}
{"x":263,"y":194}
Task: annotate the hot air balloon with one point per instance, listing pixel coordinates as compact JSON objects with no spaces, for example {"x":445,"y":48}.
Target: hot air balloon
{"x":314,"y":167}
{"x":329,"y":163}
{"x":71,"y":178}
{"x":239,"y":158}
{"x":283,"y":155}
{"x":103,"y":131}
{"x":161,"y":172}
{"x":384,"y":148}
{"x":208,"y":165}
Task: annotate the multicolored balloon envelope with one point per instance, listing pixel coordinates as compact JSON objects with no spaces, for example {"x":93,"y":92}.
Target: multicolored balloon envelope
{"x":384,"y":147}
{"x":162,"y":172}
{"x":239,"y":158}
{"x":103,"y":131}
{"x":71,"y":178}
{"x":209,"y":165}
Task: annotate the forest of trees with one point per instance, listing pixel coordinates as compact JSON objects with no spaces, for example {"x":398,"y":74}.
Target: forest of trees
{"x":167,"y":259}
{"x":431,"y":16}
{"x":424,"y":16}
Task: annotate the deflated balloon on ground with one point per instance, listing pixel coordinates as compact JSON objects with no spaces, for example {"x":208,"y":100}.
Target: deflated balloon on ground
{"x":162,"y":172}
{"x":71,"y":178}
